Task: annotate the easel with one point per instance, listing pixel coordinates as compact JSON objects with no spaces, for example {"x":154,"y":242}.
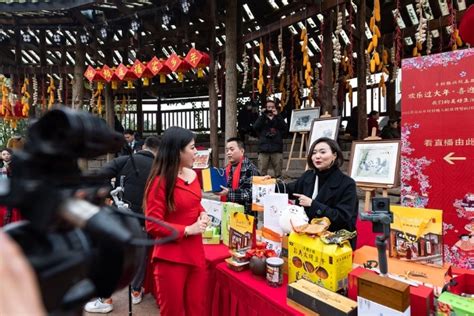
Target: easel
{"x":369,"y":188}
{"x":304,"y":140}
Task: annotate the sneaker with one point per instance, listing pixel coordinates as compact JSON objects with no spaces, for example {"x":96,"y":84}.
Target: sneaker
{"x":100,"y":305}
{"x":137,"y":296}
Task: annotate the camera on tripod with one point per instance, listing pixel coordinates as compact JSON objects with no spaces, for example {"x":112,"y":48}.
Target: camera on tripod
{"x":78,"y":247}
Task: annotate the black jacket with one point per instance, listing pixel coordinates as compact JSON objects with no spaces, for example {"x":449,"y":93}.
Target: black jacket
{"x":270,"y":133}
{"x":336,"y":199}
{"x":134,"y":184}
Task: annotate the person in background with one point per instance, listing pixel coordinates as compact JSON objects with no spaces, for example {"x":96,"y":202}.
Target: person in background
{"x":6,"y":157}
{"x":372,"y":122}
{"x":239,"y":172}
{"x":353,"y":123}
{"x":135,"y":174}
{"x":173,"y":195}
{"x":270,"y":127}
{"x":323,"y":190}
{"x":390,"y":131}
{"x":133,"y":145}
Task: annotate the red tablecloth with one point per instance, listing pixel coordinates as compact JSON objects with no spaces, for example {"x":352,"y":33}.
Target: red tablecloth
{"x":241,"y":293}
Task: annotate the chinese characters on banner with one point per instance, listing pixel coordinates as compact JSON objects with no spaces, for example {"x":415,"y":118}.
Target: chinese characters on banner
{"x":438,"y":145}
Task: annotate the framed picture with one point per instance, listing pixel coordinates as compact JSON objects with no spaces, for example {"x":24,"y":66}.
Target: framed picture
{"x":201,"y":160}
{"x":375,"y":163}
{"x":301,"y":119}
{"x":324,"y":127}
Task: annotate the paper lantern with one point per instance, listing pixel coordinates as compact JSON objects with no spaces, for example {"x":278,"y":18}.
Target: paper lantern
{"x":125,"y":73}
{"x":151,"y":70}
{"x":199,"y":60}
{"x":177,"y":64}
{"x":163,"y":70}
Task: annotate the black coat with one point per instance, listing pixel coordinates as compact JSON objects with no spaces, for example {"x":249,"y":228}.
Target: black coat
{"x":134,"y":184}
{"x":336,"y":199}
{"x":270,"y":133}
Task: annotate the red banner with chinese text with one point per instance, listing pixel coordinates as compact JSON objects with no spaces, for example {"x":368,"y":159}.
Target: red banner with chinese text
{"x":438,"y":145}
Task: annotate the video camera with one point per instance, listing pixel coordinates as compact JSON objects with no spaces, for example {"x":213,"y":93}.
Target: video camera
{"x":78,"y":246}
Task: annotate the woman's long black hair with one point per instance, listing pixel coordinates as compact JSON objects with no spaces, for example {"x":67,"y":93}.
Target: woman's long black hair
{"x":166,"y":163}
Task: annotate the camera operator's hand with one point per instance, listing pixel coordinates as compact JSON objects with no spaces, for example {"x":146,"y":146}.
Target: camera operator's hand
{"x":19,"y":292}
{"x":197,"y":228}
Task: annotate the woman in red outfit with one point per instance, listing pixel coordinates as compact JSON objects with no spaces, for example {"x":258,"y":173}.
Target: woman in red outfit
{"x":173,"y":195}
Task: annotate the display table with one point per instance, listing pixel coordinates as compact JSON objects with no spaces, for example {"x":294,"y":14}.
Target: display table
{"x":214,"y":254}
{"x":435,"y":275}
{"x":241,"y":293}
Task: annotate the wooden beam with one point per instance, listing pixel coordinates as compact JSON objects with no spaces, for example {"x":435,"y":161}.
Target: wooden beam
{"x":35,"y":70}
{"x":361,"y":74}
{"x":213,"y":98}
{"x":311,"y":10}
{"x":23,"y":21}
{"x":231,"y":69}
{"x":47,"y":6}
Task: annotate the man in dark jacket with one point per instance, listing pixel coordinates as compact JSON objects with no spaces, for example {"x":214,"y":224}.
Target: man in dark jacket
{"x":135,"y":170}
{"x":271,"y":128}
{"x":133,"y":144}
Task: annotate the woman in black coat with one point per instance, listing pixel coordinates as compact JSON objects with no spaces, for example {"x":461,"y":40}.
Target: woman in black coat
{"x":324,"y":191}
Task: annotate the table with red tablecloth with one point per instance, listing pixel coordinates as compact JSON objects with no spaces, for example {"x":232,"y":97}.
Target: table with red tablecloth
{"x":242,"y":293}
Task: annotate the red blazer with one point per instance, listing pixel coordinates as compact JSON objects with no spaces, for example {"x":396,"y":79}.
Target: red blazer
{"x":187,"y":199}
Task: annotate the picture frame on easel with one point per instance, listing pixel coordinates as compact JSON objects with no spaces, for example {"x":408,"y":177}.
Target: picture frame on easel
{"x":324,"y":127}
{"x":302,"y":119}
{"x":375,"y":163}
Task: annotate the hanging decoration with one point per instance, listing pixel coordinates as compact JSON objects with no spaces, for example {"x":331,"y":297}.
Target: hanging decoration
{"x":51,"y":90}
{"x":5,"y":106}
{"x":198,"y":60}
{"x":59,"y":91}
{"x":25,"y":98}
{"x":151,"y":70}
{"x":455,"y":40}
{"x":347,"y":68}
{"x":261,"y":80}
{"x":295,"y":85}
{"x":337,"y":51}
{"x":178,"y":65}
{"x":98,"y":96}
{"x":396,"y":48}
{"x":420,"y":35}
{"x":281,"y":70}
{"x":245,"y":63}
{"x":35,"y":91}
{"x":372,"y":48}
{"x":138,"y":68}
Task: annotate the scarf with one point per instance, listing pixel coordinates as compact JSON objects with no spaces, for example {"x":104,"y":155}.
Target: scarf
{"x":235,"y":177}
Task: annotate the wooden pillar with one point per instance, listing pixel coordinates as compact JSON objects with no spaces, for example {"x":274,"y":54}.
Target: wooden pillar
{"x":328,"y":53}
{"x":139,"y":90}
{"x":391,"y":99}
{"x":78,"y":80}
{"x":361,"y":73}
{"x":231,"y":69}
{"x":213,"y":102}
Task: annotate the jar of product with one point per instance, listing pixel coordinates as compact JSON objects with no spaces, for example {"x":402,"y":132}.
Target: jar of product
{"x":275,"y":271}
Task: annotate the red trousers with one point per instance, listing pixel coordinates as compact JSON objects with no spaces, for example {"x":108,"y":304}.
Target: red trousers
{"x":181,"y":288}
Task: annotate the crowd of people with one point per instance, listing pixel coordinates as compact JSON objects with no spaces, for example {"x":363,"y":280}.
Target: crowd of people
{"x":159,"y":181}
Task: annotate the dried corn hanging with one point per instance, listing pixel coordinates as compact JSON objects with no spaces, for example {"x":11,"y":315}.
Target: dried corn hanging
{"x":98,"y":95}
{"x":51,"y":89}
{"x":25,"y":97}
{"x":261,"y":81}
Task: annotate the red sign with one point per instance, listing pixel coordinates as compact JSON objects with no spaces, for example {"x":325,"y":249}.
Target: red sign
{"x":438,"y":145}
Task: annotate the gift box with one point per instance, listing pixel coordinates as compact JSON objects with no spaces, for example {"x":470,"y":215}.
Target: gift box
{"x":284,"y":253}
{"x":212,"y":179}
{"x":211,"y":236}
{"x":421,"y":297}
{"x":311,"y":259}
{"x":242,"y":231}
{"x":227,"y":209}
{"x":390,"y":294}
{"x":416,"y":234}
{"x":450,"y":304}
{"x":272,"y":239}
{"x":315,"y":300}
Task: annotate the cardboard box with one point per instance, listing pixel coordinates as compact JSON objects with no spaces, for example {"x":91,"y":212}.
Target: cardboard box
{"x":227,"y":208}
{"x":421,"y":297}
{"x":326,"y":265}
{"x":369,"y":308}
{"x":455,"y":305}
{"x":211,"y":236}
{"x":284,"y":253}
{"x":385,"y":291}
{"x":318,"y":300}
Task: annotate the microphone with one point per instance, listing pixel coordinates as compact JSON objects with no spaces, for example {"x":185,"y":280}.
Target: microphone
{"x":186,"y":182}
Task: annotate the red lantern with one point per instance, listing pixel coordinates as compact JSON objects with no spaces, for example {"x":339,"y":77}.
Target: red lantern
{"x":151,"y":70}
{"x":177,"y":64}
{"x":199,"y":60}
{"x":163,"y":70}
{"x":125,"y":73}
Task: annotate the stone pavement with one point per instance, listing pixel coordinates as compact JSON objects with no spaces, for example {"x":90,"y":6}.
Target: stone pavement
{"x":146,"y":308}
